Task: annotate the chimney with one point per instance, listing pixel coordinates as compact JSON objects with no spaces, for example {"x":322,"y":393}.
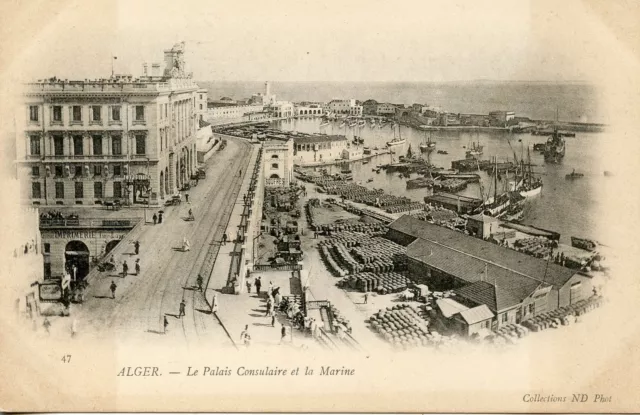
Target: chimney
{"x":155,"y":69}
{"x":145,"y":69}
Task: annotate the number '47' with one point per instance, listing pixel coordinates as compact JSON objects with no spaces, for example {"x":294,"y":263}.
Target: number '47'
{"x":66,"y":358}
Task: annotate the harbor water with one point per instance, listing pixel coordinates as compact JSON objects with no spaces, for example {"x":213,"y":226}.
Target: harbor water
{"x":570,"y":207}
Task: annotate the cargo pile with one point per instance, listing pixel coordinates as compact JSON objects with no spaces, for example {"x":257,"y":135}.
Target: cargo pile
{"x":383,"y":283}
{"x":353,"y":225}
{"x":372,"y":197}
{"x":510,"y":333}
{"x":450,"y":185}
{"x":402,"y":326}
{"x":351,"y":253}
{"x":339,"y":318}
{"x":537,"y":247}
{"x":562,"y":316}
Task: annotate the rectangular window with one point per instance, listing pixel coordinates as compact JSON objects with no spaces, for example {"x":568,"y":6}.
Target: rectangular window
{"x":165,"y":110}
{"x":33,"y":113}
{"x":79,"y":191}
{"x":77,"y":145}
{"x":504,"y":318}
{"x":47,"y":248}
{"x":116,"y":146}
{"x":76,"y":113}
{"x":35,"y":171}
{"x":35,"y":145}
{"x":115,"y":113}
{"x":141,"y":147}
{"x":532,"y":308}
{"x":57,"y":113}
{"x":117,"y":189}
{"x":58,"y":171}
{"x":97,"y":145}
{"x":36,"y":193}
{"x":78,"y":171}
{"x":97,"y":190}
{"x":59,"y":190}
{"x":139,"y":113}
{"x":117,"y":171}
{"x":95,"y":112}
{"x":97,"y":170}
{"x":58,"y":145}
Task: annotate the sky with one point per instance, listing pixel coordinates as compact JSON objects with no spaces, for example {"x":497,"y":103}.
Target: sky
{"x":300,"y":40}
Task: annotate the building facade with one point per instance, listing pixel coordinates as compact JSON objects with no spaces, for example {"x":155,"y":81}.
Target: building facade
{"x":385,"y":109}
{"x":308,"y":109}
{"x":278,"y":162}
{"x":201,"y":102}
{"x":345,"y":107}
{"x":282,"y":109}
{"x":89,"y":142}
{"x":318,"y":149}
{"x":230,"y":111}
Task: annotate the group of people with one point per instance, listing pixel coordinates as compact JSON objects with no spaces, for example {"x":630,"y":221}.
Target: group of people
{"x":28,"y":248}
{"x":125,"y":268}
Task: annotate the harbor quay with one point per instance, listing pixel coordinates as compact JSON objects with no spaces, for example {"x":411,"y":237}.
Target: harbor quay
{"x":157,"y":214}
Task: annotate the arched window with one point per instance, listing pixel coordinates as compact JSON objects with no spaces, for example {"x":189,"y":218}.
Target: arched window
{"x":275,"y":156}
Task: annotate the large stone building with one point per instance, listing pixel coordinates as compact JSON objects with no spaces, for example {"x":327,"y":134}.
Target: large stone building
{"x":278,"y":162}
{"x":125,"y":139}
{"x":318,"y":148}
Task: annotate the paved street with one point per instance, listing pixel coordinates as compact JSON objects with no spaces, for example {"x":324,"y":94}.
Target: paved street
{"x":168,"y":275}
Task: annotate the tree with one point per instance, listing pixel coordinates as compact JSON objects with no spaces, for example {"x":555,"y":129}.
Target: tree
{"x":409,"y":152}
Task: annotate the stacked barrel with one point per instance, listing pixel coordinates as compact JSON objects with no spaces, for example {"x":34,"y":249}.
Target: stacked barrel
{"x":402,"y":326}
{"x":381,"y":282}
{"x":562,"y":316}
{"x":405,"y":207}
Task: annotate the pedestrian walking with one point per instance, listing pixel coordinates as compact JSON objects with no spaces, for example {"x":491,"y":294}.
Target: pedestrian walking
{"x":46,"y":324}
{"x":258,"y":284}
{"x":113,"y":289}
{"x":182,"y":306}
{"x":155,"y":218}
{"x":137,"y":266}
{"x":224,"y":238}
{"x":74,"y":327}
{"x":273,"y":318}
{"x":159,"y":217}
{"x":166,"y":323}
{"x":199,"y":282}
{"x":283,"y":333}
{"x":240,"y":173}
{"x":269,"y":305}
{"x":366,"y":298}
{"x":186,"y":197}
{"x":125,"y":269}
{"x":214,"y":303}
{"x":270,"y":289}
{"x":245,"y":337}
{"x":248,"y":283}
{"x":136,"y":245}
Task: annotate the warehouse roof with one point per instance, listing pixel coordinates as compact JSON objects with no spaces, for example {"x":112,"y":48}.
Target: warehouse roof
{"x":476,"y":314}
{"x":449,"y":306}
{"x":312,"y":139}
{"x":466,"y":257}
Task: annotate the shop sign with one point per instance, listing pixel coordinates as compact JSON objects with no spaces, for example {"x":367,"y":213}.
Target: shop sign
{"x":51,"y":292}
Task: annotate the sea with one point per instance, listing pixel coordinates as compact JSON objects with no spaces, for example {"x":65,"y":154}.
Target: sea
{"x":570,"y":207}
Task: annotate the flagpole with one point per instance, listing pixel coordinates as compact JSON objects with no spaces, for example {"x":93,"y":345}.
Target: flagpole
{"x":112,"y":67}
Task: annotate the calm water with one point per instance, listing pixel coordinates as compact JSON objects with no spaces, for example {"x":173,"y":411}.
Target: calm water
{"x":571,"y":207}
{"x":575,"y":102}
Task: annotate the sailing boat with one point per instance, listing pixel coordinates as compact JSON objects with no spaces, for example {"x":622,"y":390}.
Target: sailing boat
{"x":396,"y":140}
{"x":498,"y":204}
{"x":429,"y":146}
{"x":531,"y":186}
{"x":475,"y":151}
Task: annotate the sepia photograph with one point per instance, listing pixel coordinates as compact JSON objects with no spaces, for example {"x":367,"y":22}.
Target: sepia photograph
{"x":276,"y":206}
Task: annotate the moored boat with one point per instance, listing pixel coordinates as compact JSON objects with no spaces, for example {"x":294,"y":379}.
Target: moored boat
{"x":582,"y":243}
{"x":574,"y":175}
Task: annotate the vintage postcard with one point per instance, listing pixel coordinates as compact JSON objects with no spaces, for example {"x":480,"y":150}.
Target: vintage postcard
{"x":366,"y":206}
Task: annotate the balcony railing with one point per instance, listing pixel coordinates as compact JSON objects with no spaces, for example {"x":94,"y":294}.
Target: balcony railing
{"x":89,"y":223}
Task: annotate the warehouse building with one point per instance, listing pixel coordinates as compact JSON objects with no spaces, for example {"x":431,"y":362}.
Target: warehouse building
{"x":514,"y":286}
